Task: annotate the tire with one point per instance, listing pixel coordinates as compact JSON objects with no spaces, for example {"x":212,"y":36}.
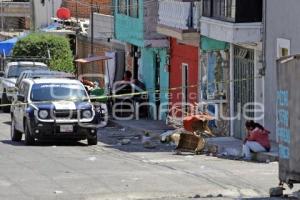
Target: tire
{"x":4,"y":100}
{"x":92,"y":140}
{"x":29,"y":140}
{"x":16,"y":136}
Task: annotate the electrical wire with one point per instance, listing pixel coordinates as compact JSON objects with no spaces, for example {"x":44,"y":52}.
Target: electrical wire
{"x":96,"y":5}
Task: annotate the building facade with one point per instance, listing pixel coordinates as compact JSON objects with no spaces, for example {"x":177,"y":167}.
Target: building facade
{"x":15,"y":15}
{"x":239,"y":24}
{"x":135,"y":24}
{"x":179,"y":21}
{"x":281,"y":39}
{"x":103,"y":43}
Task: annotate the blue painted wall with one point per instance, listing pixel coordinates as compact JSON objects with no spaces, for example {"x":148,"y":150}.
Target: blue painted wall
{"x":135,"y":31}
{"x":147,"y":73}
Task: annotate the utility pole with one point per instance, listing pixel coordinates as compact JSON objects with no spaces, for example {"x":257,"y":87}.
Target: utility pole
{"x":53,"y":10}
{"x":2,"y":16}
{"x":76,"y":11}
{"x":92,"y":28}
{"x":33,"y":20}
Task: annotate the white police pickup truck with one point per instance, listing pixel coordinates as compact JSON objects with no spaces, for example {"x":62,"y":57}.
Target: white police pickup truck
{"x":9,"y":77}
{"x":54,"y":108}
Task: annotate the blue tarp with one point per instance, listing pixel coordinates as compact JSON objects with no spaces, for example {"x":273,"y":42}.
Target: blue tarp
{"x":7,"y":46}
{"x":51,"y":27}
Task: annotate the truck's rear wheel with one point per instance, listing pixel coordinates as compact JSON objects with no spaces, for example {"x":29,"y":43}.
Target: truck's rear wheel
{"x":16,"y":136}
{"x":5,"y":101}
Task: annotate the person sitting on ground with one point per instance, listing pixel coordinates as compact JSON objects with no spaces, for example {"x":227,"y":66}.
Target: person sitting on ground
{"x":257,"y":139}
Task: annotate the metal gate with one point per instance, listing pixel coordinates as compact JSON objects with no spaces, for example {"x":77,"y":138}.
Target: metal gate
{"x":243,"y":88}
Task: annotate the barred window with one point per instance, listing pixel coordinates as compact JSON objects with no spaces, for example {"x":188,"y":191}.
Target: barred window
{"x":122,"y":7}
{"x":134,"y":8}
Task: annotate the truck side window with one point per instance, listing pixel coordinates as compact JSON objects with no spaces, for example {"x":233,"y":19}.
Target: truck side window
{"x":21,"y":89}
{"x":26,"y":90}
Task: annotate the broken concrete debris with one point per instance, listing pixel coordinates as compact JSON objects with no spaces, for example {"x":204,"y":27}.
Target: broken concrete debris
{"x":125,"y":141}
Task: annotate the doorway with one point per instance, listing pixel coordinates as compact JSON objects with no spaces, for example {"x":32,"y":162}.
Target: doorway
{"x":184,"y":85}
{"x":243,"y":88}
{"x":157,"y":85}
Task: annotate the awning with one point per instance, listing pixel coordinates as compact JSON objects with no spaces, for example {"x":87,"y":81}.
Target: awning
{"x":7,"y":46}
{"x":92,"y":59}
{"x":209,"y":44}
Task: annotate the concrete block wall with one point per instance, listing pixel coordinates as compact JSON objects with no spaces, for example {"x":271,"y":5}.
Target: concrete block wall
{"x":83,"y":51}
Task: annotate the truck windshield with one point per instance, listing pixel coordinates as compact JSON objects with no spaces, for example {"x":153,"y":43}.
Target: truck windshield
{"x":54,"y":92}
{"x":15,"y":71}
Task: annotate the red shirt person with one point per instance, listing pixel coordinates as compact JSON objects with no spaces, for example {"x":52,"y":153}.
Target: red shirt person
{"x":257,"y":139}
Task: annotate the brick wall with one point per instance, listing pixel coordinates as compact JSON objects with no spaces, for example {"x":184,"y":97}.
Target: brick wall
{"x":83,"y":7}
{"x":83,"y":51}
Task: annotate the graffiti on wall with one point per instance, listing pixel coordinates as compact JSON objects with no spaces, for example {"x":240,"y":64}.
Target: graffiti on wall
{"x":283,"y":132}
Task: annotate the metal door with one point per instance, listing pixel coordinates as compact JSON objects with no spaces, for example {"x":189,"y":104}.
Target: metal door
{"x":243,"y":88}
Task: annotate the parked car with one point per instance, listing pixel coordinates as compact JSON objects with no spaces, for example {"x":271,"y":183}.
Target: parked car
{"x":53,"y":108}
{"x":9,"y":78}
{"x":42,"y":74}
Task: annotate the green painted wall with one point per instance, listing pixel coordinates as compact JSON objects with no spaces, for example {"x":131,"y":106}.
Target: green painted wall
{"x":208,"y":44}
{"x":148,"y":75}
{"x":130,"y":29}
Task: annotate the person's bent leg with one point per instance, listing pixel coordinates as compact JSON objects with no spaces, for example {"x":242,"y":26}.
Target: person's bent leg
{"x":255,"y":146}
{"x":246,"y":151}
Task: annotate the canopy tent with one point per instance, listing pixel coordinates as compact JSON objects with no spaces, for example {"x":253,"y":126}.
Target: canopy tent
{"x":7,"y":46}
{"x":106,"y":69}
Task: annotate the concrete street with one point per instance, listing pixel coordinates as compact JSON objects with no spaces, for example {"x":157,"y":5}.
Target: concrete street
{"x":114,"y":171}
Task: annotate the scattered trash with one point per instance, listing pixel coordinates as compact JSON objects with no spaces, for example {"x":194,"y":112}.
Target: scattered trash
{"x":276,"y":192}
{"x":231,"y":152}
{"x":119,"y":144}
{"x":177,"y":152}
{"x":150,"y":142}
{"x":165,"y":135}
{"x":149,"y":145}
{"x":125,"y":141}
{"x":146,"y":138}
{"x":202,"y":167}
{"x":93,"y":158}
{"x":175,"y":138}
{"x":197,"y":196}
{"x":136,"y":138}
{"x":190,"y":142}
{"x":58,"y":192}
{"x":211,"y":148}
{"x":189,"y":156}
{"x":53,"y":146}
{"x":122,"y":129}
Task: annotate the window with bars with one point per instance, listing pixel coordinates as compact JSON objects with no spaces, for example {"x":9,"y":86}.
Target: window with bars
{"x":129,"y":7}
{"x":223,"y":9}
{"x":122,"y":7}
{"x":133,"y":8}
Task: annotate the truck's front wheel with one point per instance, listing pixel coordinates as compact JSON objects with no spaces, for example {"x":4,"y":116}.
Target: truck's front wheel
{"x":92,"y":140}
{"x":29,"y":140}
